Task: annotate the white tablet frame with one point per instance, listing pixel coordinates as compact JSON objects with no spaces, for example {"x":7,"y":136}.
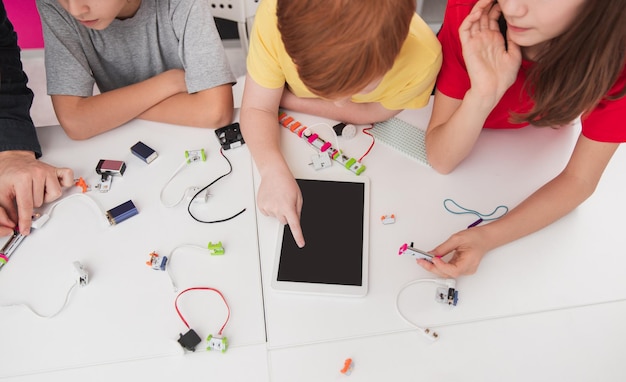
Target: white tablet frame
{"x":330,"y":289}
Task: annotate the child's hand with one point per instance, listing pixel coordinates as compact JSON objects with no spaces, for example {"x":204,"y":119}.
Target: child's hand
{"x":492,"y":67}
{"x":279,"y":196}
{"x":467,"y":251}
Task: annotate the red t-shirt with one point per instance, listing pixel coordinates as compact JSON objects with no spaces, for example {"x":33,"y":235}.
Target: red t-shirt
{"x":605,"y":123}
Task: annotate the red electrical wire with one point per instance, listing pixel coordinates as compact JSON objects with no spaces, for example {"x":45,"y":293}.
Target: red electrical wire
{"x":365,"y":131}
{"x":202,"y":288}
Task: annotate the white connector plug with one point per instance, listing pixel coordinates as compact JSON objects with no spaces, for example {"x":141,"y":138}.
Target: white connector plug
{"x":430,"y":334}
{"x":39,"y":220}
{"x":82,"y":277}
{"x":450,"y":283}
{"x":202,"y":197}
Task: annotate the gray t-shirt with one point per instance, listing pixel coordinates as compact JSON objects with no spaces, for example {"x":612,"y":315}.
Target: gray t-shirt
{"x":162,"y":35}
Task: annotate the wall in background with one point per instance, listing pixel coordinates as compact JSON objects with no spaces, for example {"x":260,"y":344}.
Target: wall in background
{"x":25,"y":19}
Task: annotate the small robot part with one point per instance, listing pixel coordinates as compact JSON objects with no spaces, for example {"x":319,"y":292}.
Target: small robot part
{"x":217,"y":343}
{"x":157,"y":262}
{"x":105,"y":183}
{"x":82,"y":277}
{"x":320,"y":161}
{"x":321,"y":145}
{"x":230,"y":136}
{"x":216,"y":249}
{"x":80,"y":182}
{"x":388,"y":219}
{"x":107,"y":168}
{"x":348,"y":366}
{"x":189,"y":340}
{"x":409,"y":250}
{"x":347,"y":131}
{"x":195,"y":155}
{"x":448,"y":296}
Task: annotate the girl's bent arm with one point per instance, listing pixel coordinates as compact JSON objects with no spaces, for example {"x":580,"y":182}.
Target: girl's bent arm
{"x":454,"y":128}
{"x":558,"y":197}
{"x":546,"y":205}
{"x":492,"y":69}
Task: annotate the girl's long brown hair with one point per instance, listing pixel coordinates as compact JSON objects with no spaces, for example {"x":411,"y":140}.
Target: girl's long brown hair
{"x":341,"y":46}
{"x":576,"y":70}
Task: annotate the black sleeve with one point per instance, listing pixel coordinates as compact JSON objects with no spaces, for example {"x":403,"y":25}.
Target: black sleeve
{"x":17,"y":131}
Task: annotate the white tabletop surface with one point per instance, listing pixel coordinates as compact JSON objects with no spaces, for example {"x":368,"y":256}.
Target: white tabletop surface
{"x":544,"y":307}
{"x":127,"y":312}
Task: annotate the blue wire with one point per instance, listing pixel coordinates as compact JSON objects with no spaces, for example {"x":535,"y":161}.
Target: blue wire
{"x":484,"y":217}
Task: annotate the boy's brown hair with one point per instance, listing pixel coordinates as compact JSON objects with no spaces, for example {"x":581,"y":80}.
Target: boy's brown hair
{"x":575,"y":71}
{"x":341,"y":46}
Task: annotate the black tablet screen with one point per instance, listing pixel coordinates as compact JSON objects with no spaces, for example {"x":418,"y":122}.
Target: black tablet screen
{"x":332,"y":223}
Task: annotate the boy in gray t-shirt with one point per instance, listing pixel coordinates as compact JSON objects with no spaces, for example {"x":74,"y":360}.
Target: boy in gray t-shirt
{"x":158,"y":60}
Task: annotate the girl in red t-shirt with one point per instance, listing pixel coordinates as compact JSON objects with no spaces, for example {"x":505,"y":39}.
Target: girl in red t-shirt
{"x":555,"y":61}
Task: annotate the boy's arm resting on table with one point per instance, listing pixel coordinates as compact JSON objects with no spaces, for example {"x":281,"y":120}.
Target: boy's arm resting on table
{"x":211,"y":108}
{"x":85,"y":117}
{"x":279,"y":195}
{"x":549,"y":203}
{"x":349,"y":112}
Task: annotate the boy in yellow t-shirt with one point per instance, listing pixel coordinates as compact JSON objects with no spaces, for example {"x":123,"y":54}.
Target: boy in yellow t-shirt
{"x":355,"y":61}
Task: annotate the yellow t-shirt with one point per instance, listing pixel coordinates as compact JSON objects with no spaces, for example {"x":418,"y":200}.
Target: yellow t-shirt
{"x":407,"y":85}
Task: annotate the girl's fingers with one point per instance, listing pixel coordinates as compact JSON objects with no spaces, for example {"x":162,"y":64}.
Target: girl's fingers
{"x":484,"y":21}
{"x":478,"y":19}
{"x":469,"y":22}
{"x":494,"y":16}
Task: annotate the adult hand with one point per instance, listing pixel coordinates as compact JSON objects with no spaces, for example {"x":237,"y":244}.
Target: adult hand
{"x":467,"y":248}
{"x":279,"y":196}
{"x":26,"y":183}
{"x":492,"y":67}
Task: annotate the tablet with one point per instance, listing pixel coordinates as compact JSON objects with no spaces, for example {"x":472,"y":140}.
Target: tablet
{"x":335,"y":223}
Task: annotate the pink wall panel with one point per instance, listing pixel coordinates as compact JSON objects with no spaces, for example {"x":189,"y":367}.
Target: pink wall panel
{"x":25,"y":18}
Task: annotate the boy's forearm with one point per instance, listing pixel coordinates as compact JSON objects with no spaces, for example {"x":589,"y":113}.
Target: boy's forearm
{"x":349,"y":112}
{"x":262,"y":135}
{"x":211,"y":108}
{"x":86,"y":117}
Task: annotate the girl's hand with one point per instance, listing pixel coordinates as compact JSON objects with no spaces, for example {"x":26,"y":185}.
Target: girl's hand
{"x":467,"y":250}
{"x":279,"y":196}
{"x":492,"y":68}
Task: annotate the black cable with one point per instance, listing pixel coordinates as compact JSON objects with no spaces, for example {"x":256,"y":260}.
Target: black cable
{"x":230,"y":170}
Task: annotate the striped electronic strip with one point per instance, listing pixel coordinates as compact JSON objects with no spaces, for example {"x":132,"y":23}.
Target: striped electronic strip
{"x":320,"y":144}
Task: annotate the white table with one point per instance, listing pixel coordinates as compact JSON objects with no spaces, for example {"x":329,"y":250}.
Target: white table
{"x":565,"y":269}
{"x":123,"y":324}
{"x":126,"y":312}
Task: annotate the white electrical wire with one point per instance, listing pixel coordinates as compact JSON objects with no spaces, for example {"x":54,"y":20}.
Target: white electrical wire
{"x":42,"y":215}
{"x":27,"y":306}
{"x":182,"y":197}
{"x":450,"y":283}
{"x":426,"y":331}
{"x":168,"y":266}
